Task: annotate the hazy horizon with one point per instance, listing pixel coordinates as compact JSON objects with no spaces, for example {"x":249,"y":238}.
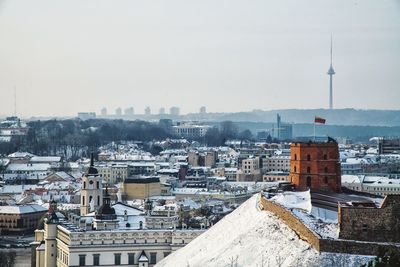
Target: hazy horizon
{"x":230,"y":56}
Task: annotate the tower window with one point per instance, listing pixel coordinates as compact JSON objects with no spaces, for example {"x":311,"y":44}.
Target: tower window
{"x":308,"y":181}
{"x":295,"y":156}
{"x":308,"y":157}
{"x":83,"y":200}
{"x":308,"y":169}
{"x":326,"y":169}
{"x":295,"y":169}
{"x":326,"y":179}
{"x":325,"y":157}
{"x":84,"y":185}
{"x":98,"y":184}
{"x":98,"y":200}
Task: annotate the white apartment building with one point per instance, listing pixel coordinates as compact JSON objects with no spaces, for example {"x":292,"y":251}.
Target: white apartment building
{"x":276,"y":164}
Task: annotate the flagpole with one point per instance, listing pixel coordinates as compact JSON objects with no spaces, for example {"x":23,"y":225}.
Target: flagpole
{"x":314,"y":130}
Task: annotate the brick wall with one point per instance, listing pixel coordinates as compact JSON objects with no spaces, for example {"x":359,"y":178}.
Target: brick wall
{"x":315,"y":166}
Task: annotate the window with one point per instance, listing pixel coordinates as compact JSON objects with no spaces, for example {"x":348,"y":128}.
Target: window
{"x":131,"y":258}
{"x":326,"y":179}
{"x":153,"y":257}
{"x":308,"y":181}
{"x":325,"y":157}
{"x":308,"y":170}
{"x":326,"y":169}
{"x":308,"y":157}
{"x":98,"y":184}
{"x":166,"y":254}
{"x":84,"y":185}
{"x":82,"y":260}
{"x":83,"y":200}
{"x":98,"y":200}
{"x":295,"y":156}
{"x":117,"y":259}
{"x":96,"y":259}
{"x":295,"y":169}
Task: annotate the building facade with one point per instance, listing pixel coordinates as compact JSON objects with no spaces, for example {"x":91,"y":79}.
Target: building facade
{"x":315,"y":165}
{"x":111,"y":235}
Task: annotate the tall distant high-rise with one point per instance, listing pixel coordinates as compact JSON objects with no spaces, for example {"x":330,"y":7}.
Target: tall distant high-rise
{"x":161,"y":111}
{"x":203,"y":110}
{"x":174,"y":111}
{"x":331,"y":72}
{"x":129,"y":111}
{"x":103,"y":111}
{"x":118,"y":112}
{"x":147,"y":111}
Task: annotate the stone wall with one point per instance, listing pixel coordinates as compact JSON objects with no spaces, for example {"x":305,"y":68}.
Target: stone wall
{"x":362,"y":223}
{"x":293,"y":222}
{"x":320,"y":244}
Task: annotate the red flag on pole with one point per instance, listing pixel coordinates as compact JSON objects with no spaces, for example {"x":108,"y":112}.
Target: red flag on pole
{"x":319,"y":120}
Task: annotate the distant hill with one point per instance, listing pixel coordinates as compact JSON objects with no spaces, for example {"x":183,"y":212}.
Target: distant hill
{"x":333,"y":117}
{"x":361,"y":117}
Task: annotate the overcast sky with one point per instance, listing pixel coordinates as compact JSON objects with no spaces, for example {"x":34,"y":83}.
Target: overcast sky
{"x":228,"y":55}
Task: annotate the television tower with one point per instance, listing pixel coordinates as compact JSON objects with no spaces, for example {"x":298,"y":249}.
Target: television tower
{"x":331,"y":72}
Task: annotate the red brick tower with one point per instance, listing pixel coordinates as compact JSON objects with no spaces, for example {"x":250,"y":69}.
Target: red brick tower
{"x":315,"y":165}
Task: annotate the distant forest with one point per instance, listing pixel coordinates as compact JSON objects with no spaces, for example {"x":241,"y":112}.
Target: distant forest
{"x":76,"y":138}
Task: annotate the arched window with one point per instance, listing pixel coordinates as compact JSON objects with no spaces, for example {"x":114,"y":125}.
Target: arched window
{"x":295,"y":169}
{"x":90,"y":199}
{"x":98,"y":200}
{"x":326,"y":169}
{"x":84,"y":185}
{"x":308,"y":157}
{"x":295,"y":156}
{"x":325,"y":157}
{"x":83,"y":200}
{"x":308,"y":169}
{"x":98,"y":184}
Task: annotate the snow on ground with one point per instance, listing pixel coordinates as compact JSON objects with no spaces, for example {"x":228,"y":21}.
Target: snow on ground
{"x":325,"y":230}
{"x":297,"y":200}
{"x":251,"y":237}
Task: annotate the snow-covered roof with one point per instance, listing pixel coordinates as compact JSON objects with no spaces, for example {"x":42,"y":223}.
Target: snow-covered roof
{"x":21,"y":209}
{"x":350,"y":179}
{"x":20,"y":155}
{"x":28,"y":167}
{"x":45,"y":159}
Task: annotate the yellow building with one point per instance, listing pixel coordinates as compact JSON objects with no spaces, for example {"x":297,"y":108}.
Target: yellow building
{"x":141,"y":188}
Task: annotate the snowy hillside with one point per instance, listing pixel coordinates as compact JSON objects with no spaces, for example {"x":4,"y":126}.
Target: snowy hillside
{"x":251,"y":237}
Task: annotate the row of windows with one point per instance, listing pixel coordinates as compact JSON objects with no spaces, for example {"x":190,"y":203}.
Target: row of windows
{"x":134,"y":241}
{"x":117,"y":258}
{"x":309,"y":180}
{"x":62,"y":256}
{"x":309,"y":157}
{"x":309,"y":169}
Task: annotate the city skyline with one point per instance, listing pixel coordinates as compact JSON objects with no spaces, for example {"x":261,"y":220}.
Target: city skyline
{"x":261,"y":56}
